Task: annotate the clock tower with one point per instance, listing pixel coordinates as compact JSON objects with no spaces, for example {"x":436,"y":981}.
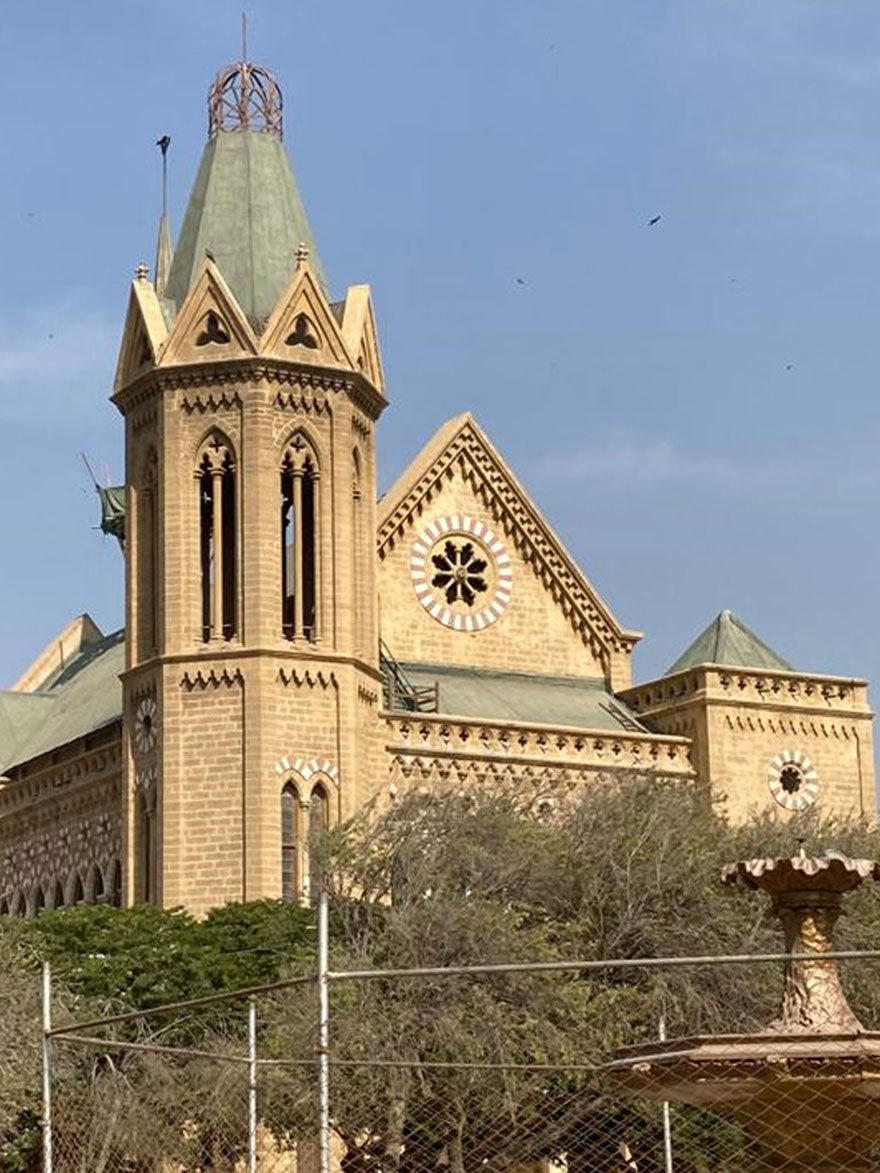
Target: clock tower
{"x":251,"y":685}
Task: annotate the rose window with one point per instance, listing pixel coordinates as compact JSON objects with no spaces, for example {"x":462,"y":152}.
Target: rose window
{"x":461,"y":573}
{"x":793,"y":781}
{"x":146,"y":724}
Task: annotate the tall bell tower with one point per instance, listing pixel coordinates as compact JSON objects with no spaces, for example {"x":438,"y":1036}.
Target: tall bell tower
{"x":251,"y":689}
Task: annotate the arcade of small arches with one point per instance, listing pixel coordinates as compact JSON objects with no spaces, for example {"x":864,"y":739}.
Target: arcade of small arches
{"x":95,"y":886}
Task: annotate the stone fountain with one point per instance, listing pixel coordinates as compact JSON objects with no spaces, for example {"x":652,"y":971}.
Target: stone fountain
{"x":806,"y":1089}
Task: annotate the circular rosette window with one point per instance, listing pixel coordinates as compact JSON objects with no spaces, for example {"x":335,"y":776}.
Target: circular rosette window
{"x":793,"y":781}
{"x":146,"y":724}
{"x":461,"y":573}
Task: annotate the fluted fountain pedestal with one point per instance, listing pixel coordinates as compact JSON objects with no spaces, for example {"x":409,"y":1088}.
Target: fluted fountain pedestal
{"x":807,"y":1090}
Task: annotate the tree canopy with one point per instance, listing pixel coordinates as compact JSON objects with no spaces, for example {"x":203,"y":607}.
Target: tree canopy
{"x":482,"y":1070}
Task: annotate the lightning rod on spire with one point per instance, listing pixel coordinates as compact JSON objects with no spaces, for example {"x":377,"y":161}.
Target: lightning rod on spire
{"x":163,"y":144}
{"x":244,"y":36}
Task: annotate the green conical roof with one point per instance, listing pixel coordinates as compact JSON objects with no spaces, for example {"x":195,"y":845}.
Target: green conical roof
{"x":728,"y":641}
{"x":245,"y":211}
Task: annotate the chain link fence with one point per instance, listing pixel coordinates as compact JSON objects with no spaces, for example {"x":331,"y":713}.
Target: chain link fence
{"x":495,"y":1069}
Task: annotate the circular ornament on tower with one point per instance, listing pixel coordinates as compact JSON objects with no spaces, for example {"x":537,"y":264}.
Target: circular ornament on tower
{"x":461,"y":573}
{"x":146,"y":731}
{"x":793,"y":781}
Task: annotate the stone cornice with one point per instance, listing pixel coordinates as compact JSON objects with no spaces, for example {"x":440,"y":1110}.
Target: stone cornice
{"x":224,"y":658}
{"x":432,"y":735}
{"x":80,"y":772}
{"x":530,"y":533}
{"x":242,"y":372}
{"x":713,"y":684}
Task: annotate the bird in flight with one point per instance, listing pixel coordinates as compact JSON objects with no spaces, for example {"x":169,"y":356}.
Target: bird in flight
{"x":789,"y":366}
{"x":520,"y":281}
{"x":655,"y":220}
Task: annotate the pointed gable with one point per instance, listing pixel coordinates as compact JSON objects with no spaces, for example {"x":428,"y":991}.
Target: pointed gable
{"x":459,"y":485}
{"x":360,"y":334}
{"x":728,"y":642}
{"x":143,"y":336}
{"x":302,"y":326}
{"x":210,"y":324}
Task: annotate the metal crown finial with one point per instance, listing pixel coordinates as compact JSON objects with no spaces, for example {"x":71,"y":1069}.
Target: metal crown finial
{"x":142,"y":272}
{"x":244,"y":96}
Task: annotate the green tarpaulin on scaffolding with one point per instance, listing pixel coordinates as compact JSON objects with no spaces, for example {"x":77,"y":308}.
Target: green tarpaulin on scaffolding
{"x":113,"y":511}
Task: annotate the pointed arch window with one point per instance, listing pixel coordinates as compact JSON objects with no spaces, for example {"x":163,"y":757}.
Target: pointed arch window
{"x":95,"y":885}
{"x":357,"y":551}
{"x":146,"y":831}
{"x":215,"y":478}
{"x":58,"y":895}
{"x":79,"y":893}
{"x":290,"y":862}
{"x":4,"y":907}
{"x":116,"y":884}
{"x":39,"y":902}
{"x":149,"y":555}
{"x":319,"y":824}
{"x":300,"y":542}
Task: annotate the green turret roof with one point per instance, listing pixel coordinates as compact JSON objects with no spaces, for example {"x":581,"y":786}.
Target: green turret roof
{"x":246,"y":211}
{"x":728,"y":641}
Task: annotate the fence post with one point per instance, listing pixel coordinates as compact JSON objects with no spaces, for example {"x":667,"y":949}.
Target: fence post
{"x":667,"y":1119}
{"x":252,"y":1086}
{"x":47,"y":1068}
{"x":323,"y":1035}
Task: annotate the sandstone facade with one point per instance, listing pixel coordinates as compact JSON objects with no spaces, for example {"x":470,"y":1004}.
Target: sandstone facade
{"x":295,"y":647}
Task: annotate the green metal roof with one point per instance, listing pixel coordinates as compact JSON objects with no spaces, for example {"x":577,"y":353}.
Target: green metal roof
{"x":82,"y":696}
{"x":728,"y":641}
{"x":573,"y":702}
{"x":245,"y":209}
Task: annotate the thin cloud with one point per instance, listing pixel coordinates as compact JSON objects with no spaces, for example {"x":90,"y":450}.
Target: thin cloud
{"x":64,"y":358}
{"x":828,"y":186}
{"x":787,"y":37}
{"x":626,"y":462}
{"x":623,"y":459}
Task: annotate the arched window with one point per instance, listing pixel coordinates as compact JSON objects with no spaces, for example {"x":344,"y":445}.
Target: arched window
{"x":39,"y":901}
{"x":148,"y":546}
{"x":4,"y":907}
{"x":147,"y":839}
{"x":19,"y":907}
{"x":357,"y":552}
{"x":215,"y":477}
{"x":319,"y":823}
{"x":96,"y":885}
{"x":58,"y":895}
{"x":116,"y":884}
{"x":290,"y":863}
{"x":300,"y":542}
{"x":79,"y":894}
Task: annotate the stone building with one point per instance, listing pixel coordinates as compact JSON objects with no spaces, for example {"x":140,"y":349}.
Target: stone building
{"x":293,"y":646}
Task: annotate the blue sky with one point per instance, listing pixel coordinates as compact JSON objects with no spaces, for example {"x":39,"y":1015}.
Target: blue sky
{"x":692,"y":404}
